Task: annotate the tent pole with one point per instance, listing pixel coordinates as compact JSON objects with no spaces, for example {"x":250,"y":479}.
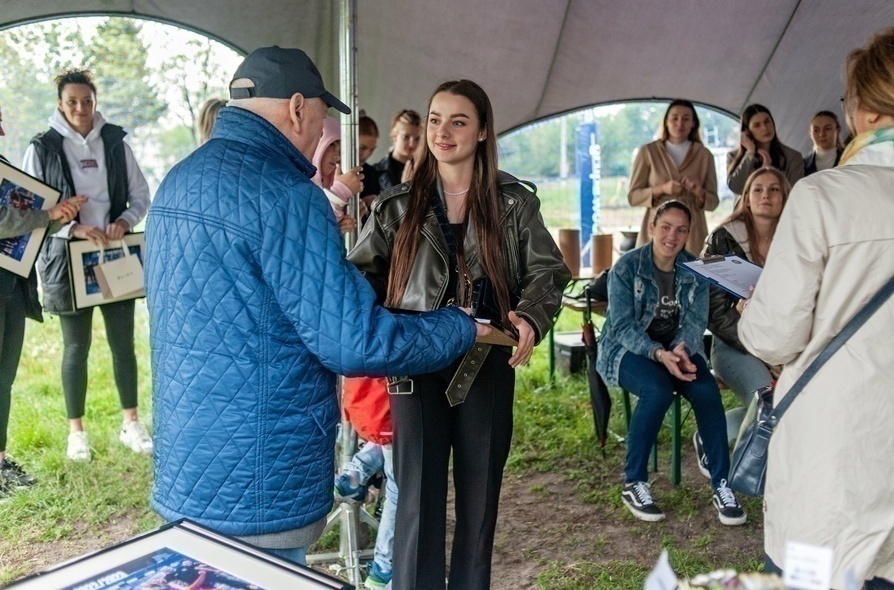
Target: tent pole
{"x":349,"y":549}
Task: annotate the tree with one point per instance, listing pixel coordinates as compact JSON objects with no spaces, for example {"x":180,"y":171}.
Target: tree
{"x":33,"y":55}
{"x":117,"y":58}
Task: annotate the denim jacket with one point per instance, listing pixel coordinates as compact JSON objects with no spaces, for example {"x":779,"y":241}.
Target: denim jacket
{"x":632,"y":301}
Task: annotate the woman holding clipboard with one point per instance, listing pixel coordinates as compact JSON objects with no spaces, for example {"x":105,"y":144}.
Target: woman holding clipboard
{"x":747,"y":234}
{"x":459,"y":231}
{"x":651,"y":345}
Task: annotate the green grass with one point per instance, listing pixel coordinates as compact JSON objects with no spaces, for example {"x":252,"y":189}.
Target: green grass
{"x":72,"y":500}
{"x":74,"y":503}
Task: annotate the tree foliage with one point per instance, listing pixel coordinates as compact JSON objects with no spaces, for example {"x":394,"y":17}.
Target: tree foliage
{"x":117,"y":57}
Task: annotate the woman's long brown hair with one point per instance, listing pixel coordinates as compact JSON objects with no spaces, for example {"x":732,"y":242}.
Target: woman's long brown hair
{"x":744,"y":214}
{"x":482,"y":207}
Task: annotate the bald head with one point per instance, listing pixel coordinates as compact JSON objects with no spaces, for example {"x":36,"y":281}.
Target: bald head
{"x":298,"y":118}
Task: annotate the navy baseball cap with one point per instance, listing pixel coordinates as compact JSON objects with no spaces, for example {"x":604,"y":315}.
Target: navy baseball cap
{"x":279,"y":73}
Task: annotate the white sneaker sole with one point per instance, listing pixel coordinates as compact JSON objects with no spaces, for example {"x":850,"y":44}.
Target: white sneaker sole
{"x":135,"y":447}
{"x":644,"y":516}
{"x":732,"y":521}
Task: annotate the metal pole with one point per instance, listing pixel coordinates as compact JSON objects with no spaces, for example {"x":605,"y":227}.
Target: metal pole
{"x":348,"y":87}
{"x":347,"y":26}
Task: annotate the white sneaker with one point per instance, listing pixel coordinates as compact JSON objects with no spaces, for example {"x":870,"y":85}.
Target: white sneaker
{"x":78,"y":450}
{"x":134,"y":437}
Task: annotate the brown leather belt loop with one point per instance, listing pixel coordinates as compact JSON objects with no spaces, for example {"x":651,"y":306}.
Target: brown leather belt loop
{"x":466,"y":373}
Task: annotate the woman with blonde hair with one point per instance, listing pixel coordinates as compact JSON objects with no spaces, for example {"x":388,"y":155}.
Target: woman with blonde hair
{"x":747,"y":233}
{"x":830,"y":477}
{"x":396,"y":167}
{"x":677,"y":166}
{"x":206,"y":118}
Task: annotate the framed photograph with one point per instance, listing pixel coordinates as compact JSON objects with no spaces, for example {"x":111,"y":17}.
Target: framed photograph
{"x":83,"y":257}
{"x":19,"y":190}
{"x":180,"y":555}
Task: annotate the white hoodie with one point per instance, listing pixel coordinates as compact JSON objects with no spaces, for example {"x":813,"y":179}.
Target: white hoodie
{"x":87,"y":160}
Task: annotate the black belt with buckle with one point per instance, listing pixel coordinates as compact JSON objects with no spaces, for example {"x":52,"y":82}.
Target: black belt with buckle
{"x":400,"y":385}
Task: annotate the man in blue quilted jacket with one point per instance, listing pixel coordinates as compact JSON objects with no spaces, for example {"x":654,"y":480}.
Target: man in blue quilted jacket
{"x":254,"y":310}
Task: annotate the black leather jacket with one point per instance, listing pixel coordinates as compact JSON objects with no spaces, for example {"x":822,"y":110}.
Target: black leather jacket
{"x":723,"y":318}
{"x":537,"y":275}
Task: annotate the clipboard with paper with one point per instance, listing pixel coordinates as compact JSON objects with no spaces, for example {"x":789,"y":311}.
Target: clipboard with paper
{"x":732,"y":274}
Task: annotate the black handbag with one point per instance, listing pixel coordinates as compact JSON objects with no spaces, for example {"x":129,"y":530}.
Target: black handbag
{"x":748,"y":470}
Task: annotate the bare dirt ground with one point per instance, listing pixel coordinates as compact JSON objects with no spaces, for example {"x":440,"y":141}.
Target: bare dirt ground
{"x":544,"y":525}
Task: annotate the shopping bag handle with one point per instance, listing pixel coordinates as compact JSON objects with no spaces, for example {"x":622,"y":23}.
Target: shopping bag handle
{"x":102,"y":250}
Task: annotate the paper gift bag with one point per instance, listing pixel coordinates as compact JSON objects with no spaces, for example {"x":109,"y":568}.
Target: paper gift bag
{"x":119,"y":277}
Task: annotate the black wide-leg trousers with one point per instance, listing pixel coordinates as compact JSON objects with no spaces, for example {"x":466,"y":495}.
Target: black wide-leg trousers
{"x":479,"y":431}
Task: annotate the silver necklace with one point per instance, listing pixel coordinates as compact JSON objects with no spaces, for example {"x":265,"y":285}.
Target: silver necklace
{"x":456,"y":194}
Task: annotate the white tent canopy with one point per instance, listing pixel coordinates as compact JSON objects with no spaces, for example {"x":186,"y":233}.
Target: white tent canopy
{"x":537,"y":59}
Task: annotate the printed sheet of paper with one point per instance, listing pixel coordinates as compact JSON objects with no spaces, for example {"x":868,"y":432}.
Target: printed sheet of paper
{"x":733,"y":274}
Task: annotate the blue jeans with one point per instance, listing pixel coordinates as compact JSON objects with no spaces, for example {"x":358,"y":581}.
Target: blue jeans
{"x":744,"y":374}
{"x":655,"y":388}
{"x":367,"y":461}
{"x":295,"y":555}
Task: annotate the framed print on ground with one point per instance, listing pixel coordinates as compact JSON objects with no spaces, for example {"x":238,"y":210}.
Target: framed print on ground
{"x":180,"y":555}
{"x":83,"y":257}
{"x":19,"y":190}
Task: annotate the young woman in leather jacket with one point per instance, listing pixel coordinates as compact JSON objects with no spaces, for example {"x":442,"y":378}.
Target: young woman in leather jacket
{"x":427,"y":244}
{"x":747,"y":234}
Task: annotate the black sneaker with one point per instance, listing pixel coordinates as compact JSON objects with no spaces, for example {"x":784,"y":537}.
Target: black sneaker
{"x":700,"y":455}
{"x":13,"y":475}
{"x":728,"y":509}
{"x":638,"y":499}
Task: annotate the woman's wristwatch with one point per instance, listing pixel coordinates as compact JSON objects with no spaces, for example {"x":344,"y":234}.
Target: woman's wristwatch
{"x":656,"y":355}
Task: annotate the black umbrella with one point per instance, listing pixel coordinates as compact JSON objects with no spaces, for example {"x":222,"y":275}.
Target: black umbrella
{"x":599,"y":398}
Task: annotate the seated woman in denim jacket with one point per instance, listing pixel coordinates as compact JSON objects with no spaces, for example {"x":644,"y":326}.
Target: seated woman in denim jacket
{"x":651,"y":345}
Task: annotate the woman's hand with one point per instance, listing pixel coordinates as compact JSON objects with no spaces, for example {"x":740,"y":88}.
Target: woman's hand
{"x":67,"y":209}
{"x":347,"y":224}
{"x":692,"y":185}
{"x":409,"y":168}
{"x":117,"y":229}
{"x":525,"y":341}
{"x":96,"y":236}
{"x":747,"y":142}
{"x":677,"y":363}
{"x":671,"y":187}
{"x":766,"y":160}
{"x":353,"y":179}
{"x":743,"y":303}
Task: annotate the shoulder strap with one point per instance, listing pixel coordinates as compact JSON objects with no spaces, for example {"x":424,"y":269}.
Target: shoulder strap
{"x":832,"y":347}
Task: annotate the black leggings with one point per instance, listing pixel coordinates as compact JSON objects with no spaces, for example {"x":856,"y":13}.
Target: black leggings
{"x":12,"y":334}
{"x":77,"y":333}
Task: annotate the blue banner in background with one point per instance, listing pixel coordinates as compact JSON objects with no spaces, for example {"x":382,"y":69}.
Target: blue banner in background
{"x":590,"y":170}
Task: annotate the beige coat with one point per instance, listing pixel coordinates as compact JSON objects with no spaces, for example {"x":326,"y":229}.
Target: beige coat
{"x":830,"y":478}
{"x":654,"y":166}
